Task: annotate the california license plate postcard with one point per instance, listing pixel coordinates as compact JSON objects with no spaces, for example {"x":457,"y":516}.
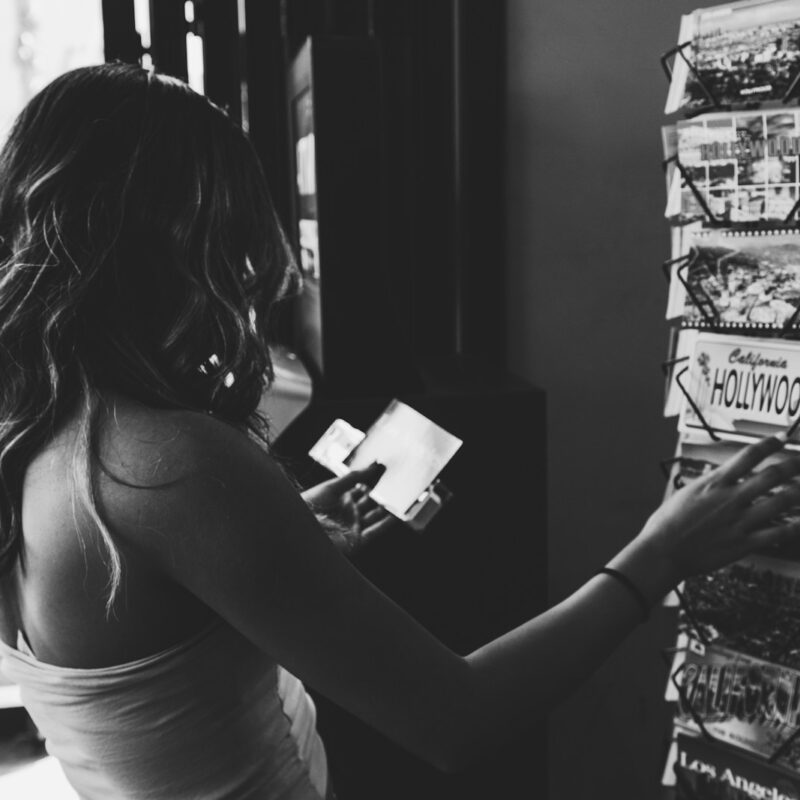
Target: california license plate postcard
{"x":736,"y":54}
{"x":740,"y":700}
{"x":742,"y":166}
{"x":739,"y":387}
{"x":736,"y":278}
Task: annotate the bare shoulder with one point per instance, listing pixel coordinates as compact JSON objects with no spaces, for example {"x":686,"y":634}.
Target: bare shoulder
{"x":181,"y":486}
{"x":165,"y":484}
{"x":150,"y":447}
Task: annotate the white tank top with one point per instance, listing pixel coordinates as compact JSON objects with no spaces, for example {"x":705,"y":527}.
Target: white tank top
{"x":212,"y":718}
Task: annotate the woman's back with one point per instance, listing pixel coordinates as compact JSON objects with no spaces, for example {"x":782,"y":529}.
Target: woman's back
{"x":57,"y":591}
{"x":161,"y":698}
{"x":212,"y":717}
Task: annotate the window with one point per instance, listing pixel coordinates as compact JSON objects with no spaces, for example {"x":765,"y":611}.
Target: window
{"x":40,"y":39}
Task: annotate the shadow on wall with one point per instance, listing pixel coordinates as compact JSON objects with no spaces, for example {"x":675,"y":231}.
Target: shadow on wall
{"x":586,"y":233}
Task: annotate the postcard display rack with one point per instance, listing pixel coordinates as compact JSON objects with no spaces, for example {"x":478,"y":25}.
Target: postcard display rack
{"x":732,"y":146}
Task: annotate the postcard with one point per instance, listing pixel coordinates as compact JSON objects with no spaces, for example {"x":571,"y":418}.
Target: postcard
{"x":738,"y":54}
{"x":701,"y":768}
{"x":694,"y":459}
{"x":668,"y":776}
{"x":740,"y":700}
{"x":740,"y":388}
{"x":737,"y":167}
{"x":751,"y":606}
{"x":335,"y":445}
{"x":737,"y":279}
{"x":413,"y":449}
{"x":697,"y":456}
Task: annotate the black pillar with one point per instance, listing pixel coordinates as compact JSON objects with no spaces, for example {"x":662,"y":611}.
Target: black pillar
{"x":168,"y":29}
{"x":121,"y":42}
{"x":218,"y":24}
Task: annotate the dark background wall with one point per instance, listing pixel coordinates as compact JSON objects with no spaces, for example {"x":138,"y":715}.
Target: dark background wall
{"x":586,"y":233}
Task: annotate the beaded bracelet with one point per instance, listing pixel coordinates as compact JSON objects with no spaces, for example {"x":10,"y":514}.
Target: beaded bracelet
{"x":631,"y":587}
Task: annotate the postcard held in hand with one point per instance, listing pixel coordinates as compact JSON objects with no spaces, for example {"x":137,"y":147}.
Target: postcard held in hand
{"x":414,"y":451}
{"x":741,"y":388}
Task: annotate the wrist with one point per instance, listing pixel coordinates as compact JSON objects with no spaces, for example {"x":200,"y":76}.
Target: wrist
{"x":649,"y":567}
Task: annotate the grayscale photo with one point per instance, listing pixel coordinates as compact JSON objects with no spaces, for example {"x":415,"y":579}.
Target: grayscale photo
{"x":399,"y":400}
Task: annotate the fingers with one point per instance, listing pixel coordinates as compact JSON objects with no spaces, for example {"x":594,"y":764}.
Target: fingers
{"x":369,"y":475}
{"x":766,"y":510}
{"x":384,"y":521}
{"x":360,"y":497}
{"x":343,"y":482}
{"x":369,"y":518}
{"x":374,"y":515}
{"x":769,"y":477}
{"x":775,"y":535}
{"x":748,"y":458}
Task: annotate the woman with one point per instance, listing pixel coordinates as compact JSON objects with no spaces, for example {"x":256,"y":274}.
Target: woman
{"x":157,"y":565}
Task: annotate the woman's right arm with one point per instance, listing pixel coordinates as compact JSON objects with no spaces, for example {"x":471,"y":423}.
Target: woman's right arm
{"x":234,"y":532}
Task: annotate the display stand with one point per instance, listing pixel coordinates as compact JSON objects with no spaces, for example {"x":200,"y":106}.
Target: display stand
{"x":730,"y":621}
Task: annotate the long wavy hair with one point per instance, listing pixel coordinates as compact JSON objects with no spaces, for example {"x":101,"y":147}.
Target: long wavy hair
{"x":139,"y":252}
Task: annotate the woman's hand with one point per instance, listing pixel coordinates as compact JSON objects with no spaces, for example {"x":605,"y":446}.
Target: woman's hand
{"x":348,"y":514}
{"x":728,"y":512}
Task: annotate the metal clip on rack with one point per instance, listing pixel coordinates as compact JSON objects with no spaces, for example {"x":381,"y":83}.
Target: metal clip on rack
{"x":667,"y":266}
{"x":666,"y":64}
{"x":667,"y":367}
{"x":698,"y":195}
{"x":701,"y":299}
{"x":685,"y":699}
